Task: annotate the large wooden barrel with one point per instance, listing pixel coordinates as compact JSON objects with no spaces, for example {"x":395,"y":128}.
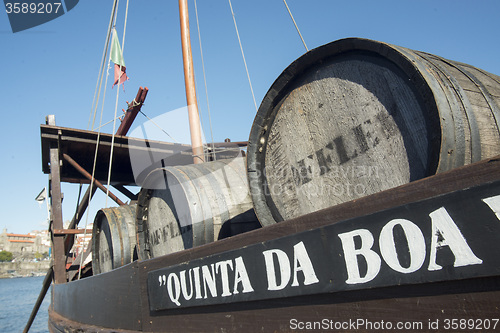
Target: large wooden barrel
{"x":356,"y":116}
{"x":186,"y":206}
{"x":113,"y":238}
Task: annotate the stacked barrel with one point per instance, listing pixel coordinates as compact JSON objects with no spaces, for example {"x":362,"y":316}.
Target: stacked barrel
{"x":186,"y":206}
{"x":177,"y":208}
{"x":345,"y":120}
{"x":356,"y":117}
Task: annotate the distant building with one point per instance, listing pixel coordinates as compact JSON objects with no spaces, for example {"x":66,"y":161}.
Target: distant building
{"x":81,"y":243}
{"x":20,"y":244}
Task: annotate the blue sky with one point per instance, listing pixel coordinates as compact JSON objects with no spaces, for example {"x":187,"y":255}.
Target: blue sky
{"x":53,"y":68}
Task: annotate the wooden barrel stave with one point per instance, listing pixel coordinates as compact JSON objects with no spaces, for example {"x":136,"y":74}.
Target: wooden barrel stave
{"x":203,"y":222}
{"x":186,"y":206}
{"x":169,"y":204}
{"x":359,"y":103}
{"x":113,"y":238}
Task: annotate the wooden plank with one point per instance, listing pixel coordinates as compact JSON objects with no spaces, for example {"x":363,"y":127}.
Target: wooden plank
{"x":82,"y":144}
{"x":60,"y":324}
{"x":398,"y":246}
{"x":109,"y":300}
{"x":58,"y":253}
{"x":417,"y":307}
{"x":72,"y":231}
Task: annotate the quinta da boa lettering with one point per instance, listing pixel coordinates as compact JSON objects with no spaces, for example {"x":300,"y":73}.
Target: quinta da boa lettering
{"x":406,"y":245}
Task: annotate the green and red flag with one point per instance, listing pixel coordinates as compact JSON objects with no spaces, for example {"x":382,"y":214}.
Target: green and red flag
{"x":117,"y":59}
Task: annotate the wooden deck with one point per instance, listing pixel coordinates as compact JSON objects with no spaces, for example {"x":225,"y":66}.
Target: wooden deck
{"x":81,"y":146}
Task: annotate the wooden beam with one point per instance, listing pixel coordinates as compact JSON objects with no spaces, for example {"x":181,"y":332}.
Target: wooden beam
{"x":187,"y":57}
{"x":126,"y":192}
{"x":122,"y":130}
{"x":89,"y":176}
{"x":82,"y":206}
{"x":57,"y":218}
{"x":72,"y":231}
{"x":132,"y":111}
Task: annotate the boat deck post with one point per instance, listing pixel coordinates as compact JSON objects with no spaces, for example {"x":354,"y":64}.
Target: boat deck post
{"x":56,"y":219}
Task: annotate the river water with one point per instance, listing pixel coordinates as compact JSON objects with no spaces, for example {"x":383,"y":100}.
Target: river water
{"x":17,"y":298}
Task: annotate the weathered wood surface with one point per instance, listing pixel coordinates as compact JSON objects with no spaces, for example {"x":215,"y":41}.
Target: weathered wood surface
{"x":109,"y":300}
{"x":356,"y":117}
{"x":132,"y":157}
{"x":60,"y":324}
{"x":419,"y":307}
{"x":89,"y":301}
{"x":186,"y":206}
{"x":451,"y":237}
{"x":56,"y":217}
{"x":113,"y":238}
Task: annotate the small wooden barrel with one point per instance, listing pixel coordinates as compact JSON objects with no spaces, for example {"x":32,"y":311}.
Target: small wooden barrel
{"x":355,"y":117}
{"x":113,"y":238}
{"x":186,"y":206}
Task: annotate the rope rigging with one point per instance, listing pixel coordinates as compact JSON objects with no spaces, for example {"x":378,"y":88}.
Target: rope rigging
{"x":116,"y":111}
{"x":243,"y":55}
{"x":159,"y":127}
{"x":205,"y":81}
{"x":296,"y":27}
{"x":101,"y":74}
{"x":104,"y":64}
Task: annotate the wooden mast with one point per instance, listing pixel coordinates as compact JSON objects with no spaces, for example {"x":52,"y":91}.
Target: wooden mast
{"x":187,"y":57}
